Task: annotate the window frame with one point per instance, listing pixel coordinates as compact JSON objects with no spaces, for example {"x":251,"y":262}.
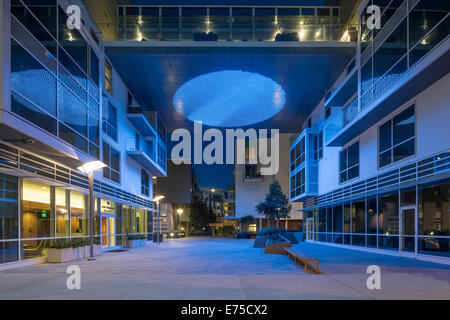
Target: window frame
{"x":347,"y":168}
{"x":412,"y":105}
{"x":108,"y":163}
{"x":106,"y":123}
{"x":108,"y":80}
{"x":145,"y":183}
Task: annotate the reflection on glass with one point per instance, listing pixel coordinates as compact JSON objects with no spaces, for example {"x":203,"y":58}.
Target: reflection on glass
{"x":78,"y":214}
{"x":8,"y":207}
{"x":434,"y":206}
{"x":62,"y":212}
{"x":388,"y":214}
{"x":37,"y":217}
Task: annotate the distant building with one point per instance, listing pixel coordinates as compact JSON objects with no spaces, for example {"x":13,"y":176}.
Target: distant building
{"x":181,"y":190}
{"x":252,"y":188}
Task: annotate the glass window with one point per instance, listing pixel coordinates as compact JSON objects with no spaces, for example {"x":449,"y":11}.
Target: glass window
{"x":388,"y":214}
{"x":329,"y":220}
{"x":372,"y":215}
{"x":8,"y":208}
{"x":110,"y":119}
{"x":95,"y":67}
{"x":44,"y":10}
{"x":347,"y":218}
{"x":322,"y":220}
{"x":140,"y":221}
{"x":319,"y":145}
{"x":337,"y":219}
{"x":78,"y":214}
{"x":72,"y":42}
{"x":37,"y":219}
{"x":145,"y":183}
{"x":397,"y":138}
{"x":358,"y":217}
{"x":62,"y":212}
{"x":349,"y":163}
{"x":111,"y":158}
{"x":434,"y":210}
{"x":108,"y":77}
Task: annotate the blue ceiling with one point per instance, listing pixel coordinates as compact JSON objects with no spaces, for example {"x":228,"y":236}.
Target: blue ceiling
{"x":155,"y":72}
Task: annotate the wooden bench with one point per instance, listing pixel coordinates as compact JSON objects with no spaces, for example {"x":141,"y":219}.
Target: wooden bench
{"x":305,"y":259}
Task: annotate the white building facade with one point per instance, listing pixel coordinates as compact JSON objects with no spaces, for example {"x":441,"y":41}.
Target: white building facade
{"x":372,"y":164}
{"x":62,"y":104}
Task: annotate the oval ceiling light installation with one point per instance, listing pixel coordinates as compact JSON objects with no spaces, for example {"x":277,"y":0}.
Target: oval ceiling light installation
{"x":229,"y":98}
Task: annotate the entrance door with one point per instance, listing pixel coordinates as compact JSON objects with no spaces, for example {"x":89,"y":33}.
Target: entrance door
{"x":108,"y":231}
{"x":309,"y":229}
{"x":408,"y":231}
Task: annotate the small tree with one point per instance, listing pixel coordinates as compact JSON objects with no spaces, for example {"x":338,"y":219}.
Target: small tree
{"x":200,"y":216}
{"x":276,"y":206}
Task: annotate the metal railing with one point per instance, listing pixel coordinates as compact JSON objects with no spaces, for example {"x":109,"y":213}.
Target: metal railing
{"x":14,"y":158}
{"x":431,"y":167}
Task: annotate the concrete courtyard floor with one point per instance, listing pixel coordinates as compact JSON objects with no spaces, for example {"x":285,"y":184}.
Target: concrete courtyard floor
{"x":228,"y":270}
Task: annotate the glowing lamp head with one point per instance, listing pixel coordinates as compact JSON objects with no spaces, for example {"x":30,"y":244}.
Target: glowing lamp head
{"x":158,"y":198}
{"x":180,"y":211}
{"x":92,"y":166}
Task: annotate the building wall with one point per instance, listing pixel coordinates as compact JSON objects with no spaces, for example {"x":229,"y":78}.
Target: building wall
{"x":177,"y":186}
{"x":250,"y":194}
{"x":432,"y":112}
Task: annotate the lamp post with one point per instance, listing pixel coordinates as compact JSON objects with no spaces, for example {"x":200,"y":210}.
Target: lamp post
{"x":180,"y":212}
{"x":157,"y":199}
{"x":88,"y":168}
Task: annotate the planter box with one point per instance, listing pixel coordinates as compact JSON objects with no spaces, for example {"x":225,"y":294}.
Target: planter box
{"x":260,"y":242}
{"x":60,"y":255}
{"x":277,"y":248}
{"x":97,"y":251}
{"x":71,"y":254}
{"x":131,"y":244}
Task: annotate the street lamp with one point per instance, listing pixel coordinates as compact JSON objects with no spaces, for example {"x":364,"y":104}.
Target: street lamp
{"x":157,"y":199}
{"x":180,"y":212}
{"x":88,"y":168}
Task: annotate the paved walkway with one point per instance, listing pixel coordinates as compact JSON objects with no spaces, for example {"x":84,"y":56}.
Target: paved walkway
{"x":228,"y":269}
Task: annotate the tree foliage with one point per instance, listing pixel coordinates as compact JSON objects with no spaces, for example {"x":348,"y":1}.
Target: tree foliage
{"x":201,"y":217}
{"x":276,"y":206}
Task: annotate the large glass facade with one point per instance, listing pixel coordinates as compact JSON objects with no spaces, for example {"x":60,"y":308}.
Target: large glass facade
{"x":48,"y":214}
{"x":215,"y":23}
{"x":54,"y":75}
{"x":387,"y":220}
{"x":409,"y":31}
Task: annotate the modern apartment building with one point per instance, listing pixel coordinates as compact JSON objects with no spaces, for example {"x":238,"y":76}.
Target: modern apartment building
{"x":252,"y":187}
{"x":62,"y":104}
{"x":372,"y":165}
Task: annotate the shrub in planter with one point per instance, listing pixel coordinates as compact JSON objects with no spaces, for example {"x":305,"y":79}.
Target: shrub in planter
{"x":270,"y":231}
{"x":226,"y":231}
{"x":70,"y":250}
{"x":275,"y":244}
{"x":136,"y":241}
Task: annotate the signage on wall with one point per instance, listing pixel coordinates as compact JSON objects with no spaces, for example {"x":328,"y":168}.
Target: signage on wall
{"x":108,"y":207}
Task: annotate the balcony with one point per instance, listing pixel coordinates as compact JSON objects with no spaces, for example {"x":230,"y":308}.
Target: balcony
{"x":153,"y":23}
{"x":304,"y":168}
{"x":144,"y":123}
{"x":145,"y":153}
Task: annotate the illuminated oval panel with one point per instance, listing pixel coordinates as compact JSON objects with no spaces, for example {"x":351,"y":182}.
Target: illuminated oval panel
{"x":229,"y":98}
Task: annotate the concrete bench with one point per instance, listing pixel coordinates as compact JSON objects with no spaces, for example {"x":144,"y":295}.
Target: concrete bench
{"x":305,"y":259}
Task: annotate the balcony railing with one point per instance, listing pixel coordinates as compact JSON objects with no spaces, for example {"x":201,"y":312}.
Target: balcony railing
{"x":136,"y":23}
{"x":350,"y":112}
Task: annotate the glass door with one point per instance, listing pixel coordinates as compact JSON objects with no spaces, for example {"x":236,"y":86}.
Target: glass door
{"x":408,"y":231}
{"x":309,"y":228}
{"x":108,"y":231}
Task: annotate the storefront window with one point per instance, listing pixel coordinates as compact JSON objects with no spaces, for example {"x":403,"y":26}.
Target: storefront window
{"x":62,"y":212}
{"x":372,"y":215}
{"x":358,"y":217}
{"x":126,"y":220}
{"x":37,"y":217}
{"x":434,"y":214}
{"x":388,"y":214}
{"x":8,"y":208}
{"x":140,"y":221}
{"x":78,"y":214}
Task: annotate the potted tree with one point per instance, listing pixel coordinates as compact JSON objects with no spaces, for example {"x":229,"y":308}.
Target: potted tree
{"x":276,"y":206}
